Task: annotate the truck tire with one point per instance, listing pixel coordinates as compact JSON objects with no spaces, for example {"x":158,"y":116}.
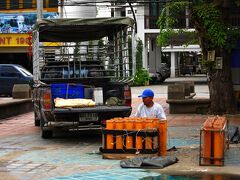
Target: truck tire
{"x":47,"y":134}
{"x":36,"y":120}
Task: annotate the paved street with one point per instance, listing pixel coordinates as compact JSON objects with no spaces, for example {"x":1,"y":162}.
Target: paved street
{"x":24,"y":155}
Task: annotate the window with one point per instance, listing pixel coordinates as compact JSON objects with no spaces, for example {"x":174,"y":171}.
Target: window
{"x":53,"y":3}
{"x":130,"y":12}
{"x":27,"y":3}
{"x":3,"y":5}
{"x":14,"y":4}
{"x":25,"y":72}
{"x":8,"y":71}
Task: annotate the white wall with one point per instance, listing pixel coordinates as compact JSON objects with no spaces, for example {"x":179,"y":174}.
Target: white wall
{"x":80,"y":11}
{"x":141,"y":33}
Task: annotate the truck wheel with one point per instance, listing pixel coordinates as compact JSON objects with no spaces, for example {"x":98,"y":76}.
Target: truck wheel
{"x":47,"y":134}
{"x":36,"y":120}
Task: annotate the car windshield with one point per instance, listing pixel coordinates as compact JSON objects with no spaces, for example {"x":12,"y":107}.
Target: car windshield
{"x":25,"y":72}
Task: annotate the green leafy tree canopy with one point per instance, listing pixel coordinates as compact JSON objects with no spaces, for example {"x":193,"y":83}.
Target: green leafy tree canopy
{"x":207,"y":21}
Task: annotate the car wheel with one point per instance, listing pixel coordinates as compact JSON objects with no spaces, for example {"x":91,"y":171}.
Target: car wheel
{"x":36,"y":120}
{"x":160,"y":78}
{"x":46,"y":134}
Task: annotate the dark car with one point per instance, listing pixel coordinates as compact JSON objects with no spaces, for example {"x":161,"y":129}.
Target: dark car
{"x":162,"y":73}
{"x":186,"y":70}
{"x":11,"y":74}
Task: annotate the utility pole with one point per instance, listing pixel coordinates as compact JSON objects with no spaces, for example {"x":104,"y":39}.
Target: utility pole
{"x":39,"y":9}
{"x":61,"y":8}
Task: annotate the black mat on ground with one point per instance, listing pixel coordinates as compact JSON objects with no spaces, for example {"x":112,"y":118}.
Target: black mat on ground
{"x":148,"y":162}
{"x":234,"y":134}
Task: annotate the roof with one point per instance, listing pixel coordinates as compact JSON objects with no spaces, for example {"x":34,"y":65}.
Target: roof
{"x":77,"y":30}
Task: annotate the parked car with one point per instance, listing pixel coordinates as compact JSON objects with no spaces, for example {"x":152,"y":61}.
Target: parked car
{"x":186,"y":70}
{"x":162,"y":73}
{"x":11,"y":74}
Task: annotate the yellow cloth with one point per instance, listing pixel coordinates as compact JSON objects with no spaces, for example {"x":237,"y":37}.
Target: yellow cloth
{"x":60,"y":102}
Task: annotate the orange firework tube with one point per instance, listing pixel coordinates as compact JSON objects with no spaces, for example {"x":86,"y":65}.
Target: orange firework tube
{"x":162,"y":130}
{"x":207,"y":140}
{"x":119,"y":138}
{"x":110,"y":126}
{"x":219,"y":137}
{"x":149,"y":126}
{"x":207,"y":147}
{"x":138,"y":127}
{"x":129,"y":138}
{"x":218,"y":147}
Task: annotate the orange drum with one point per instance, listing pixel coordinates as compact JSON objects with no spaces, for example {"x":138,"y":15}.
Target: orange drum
{"x":129,"y":139}
{"x":162,"y":130}
{"x":109,"y":140}
{"x":149,"y":140}
{"x":119,"y":138}
{"x":139,"y":127}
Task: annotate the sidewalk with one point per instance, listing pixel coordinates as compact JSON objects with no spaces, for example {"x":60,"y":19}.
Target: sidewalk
{"x":11,"y":107}
{"x":183,"y":133}
{"x":197,"y":79}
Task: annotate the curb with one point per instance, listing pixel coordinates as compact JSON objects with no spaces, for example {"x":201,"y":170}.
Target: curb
{"x":16,"y":107}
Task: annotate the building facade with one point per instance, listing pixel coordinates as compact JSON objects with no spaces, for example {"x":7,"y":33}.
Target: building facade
{"x":179,"y":58}
{"x":17,"y":18}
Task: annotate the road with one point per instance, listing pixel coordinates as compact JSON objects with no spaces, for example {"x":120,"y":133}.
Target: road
{"x":24,"y":155}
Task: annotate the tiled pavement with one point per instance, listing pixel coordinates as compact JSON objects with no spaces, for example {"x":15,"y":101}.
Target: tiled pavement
{"x":25,"y":155}
{"x":21,"y":124}
{"x":24,"y":124}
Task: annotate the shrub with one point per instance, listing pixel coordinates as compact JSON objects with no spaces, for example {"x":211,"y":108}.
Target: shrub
{"x":141,"y":77}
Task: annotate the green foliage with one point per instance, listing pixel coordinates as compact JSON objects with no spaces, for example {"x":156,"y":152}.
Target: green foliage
{"x":163,"y":38}
{"x":237,"y":2}
{"x":139,"y":51}
{"x":173,"y":37}
{"x":207,"y":19}
{"x":209,"y":65}
{"x":210,"y":17}
{"x":167,"y":20}
{"x":141,"y":77}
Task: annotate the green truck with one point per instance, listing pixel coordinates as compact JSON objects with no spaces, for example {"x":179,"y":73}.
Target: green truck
{"x":81,"y":59}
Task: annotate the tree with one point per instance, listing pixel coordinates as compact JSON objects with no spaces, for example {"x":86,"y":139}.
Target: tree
{"x":139,"y":58}
{"x":211,"y":22}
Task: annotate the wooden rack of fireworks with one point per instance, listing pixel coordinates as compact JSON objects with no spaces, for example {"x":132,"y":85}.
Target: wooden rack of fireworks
{"x":129,"y":137}
{"x":213,"y":141}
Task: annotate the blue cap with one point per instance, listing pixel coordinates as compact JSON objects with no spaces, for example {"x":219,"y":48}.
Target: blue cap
{"x":147,"y":93}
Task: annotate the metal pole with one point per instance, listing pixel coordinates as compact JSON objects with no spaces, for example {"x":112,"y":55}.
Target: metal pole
{"x":133,"y":13}
{"x":61,"y":8}
{"x":39,"y":9}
